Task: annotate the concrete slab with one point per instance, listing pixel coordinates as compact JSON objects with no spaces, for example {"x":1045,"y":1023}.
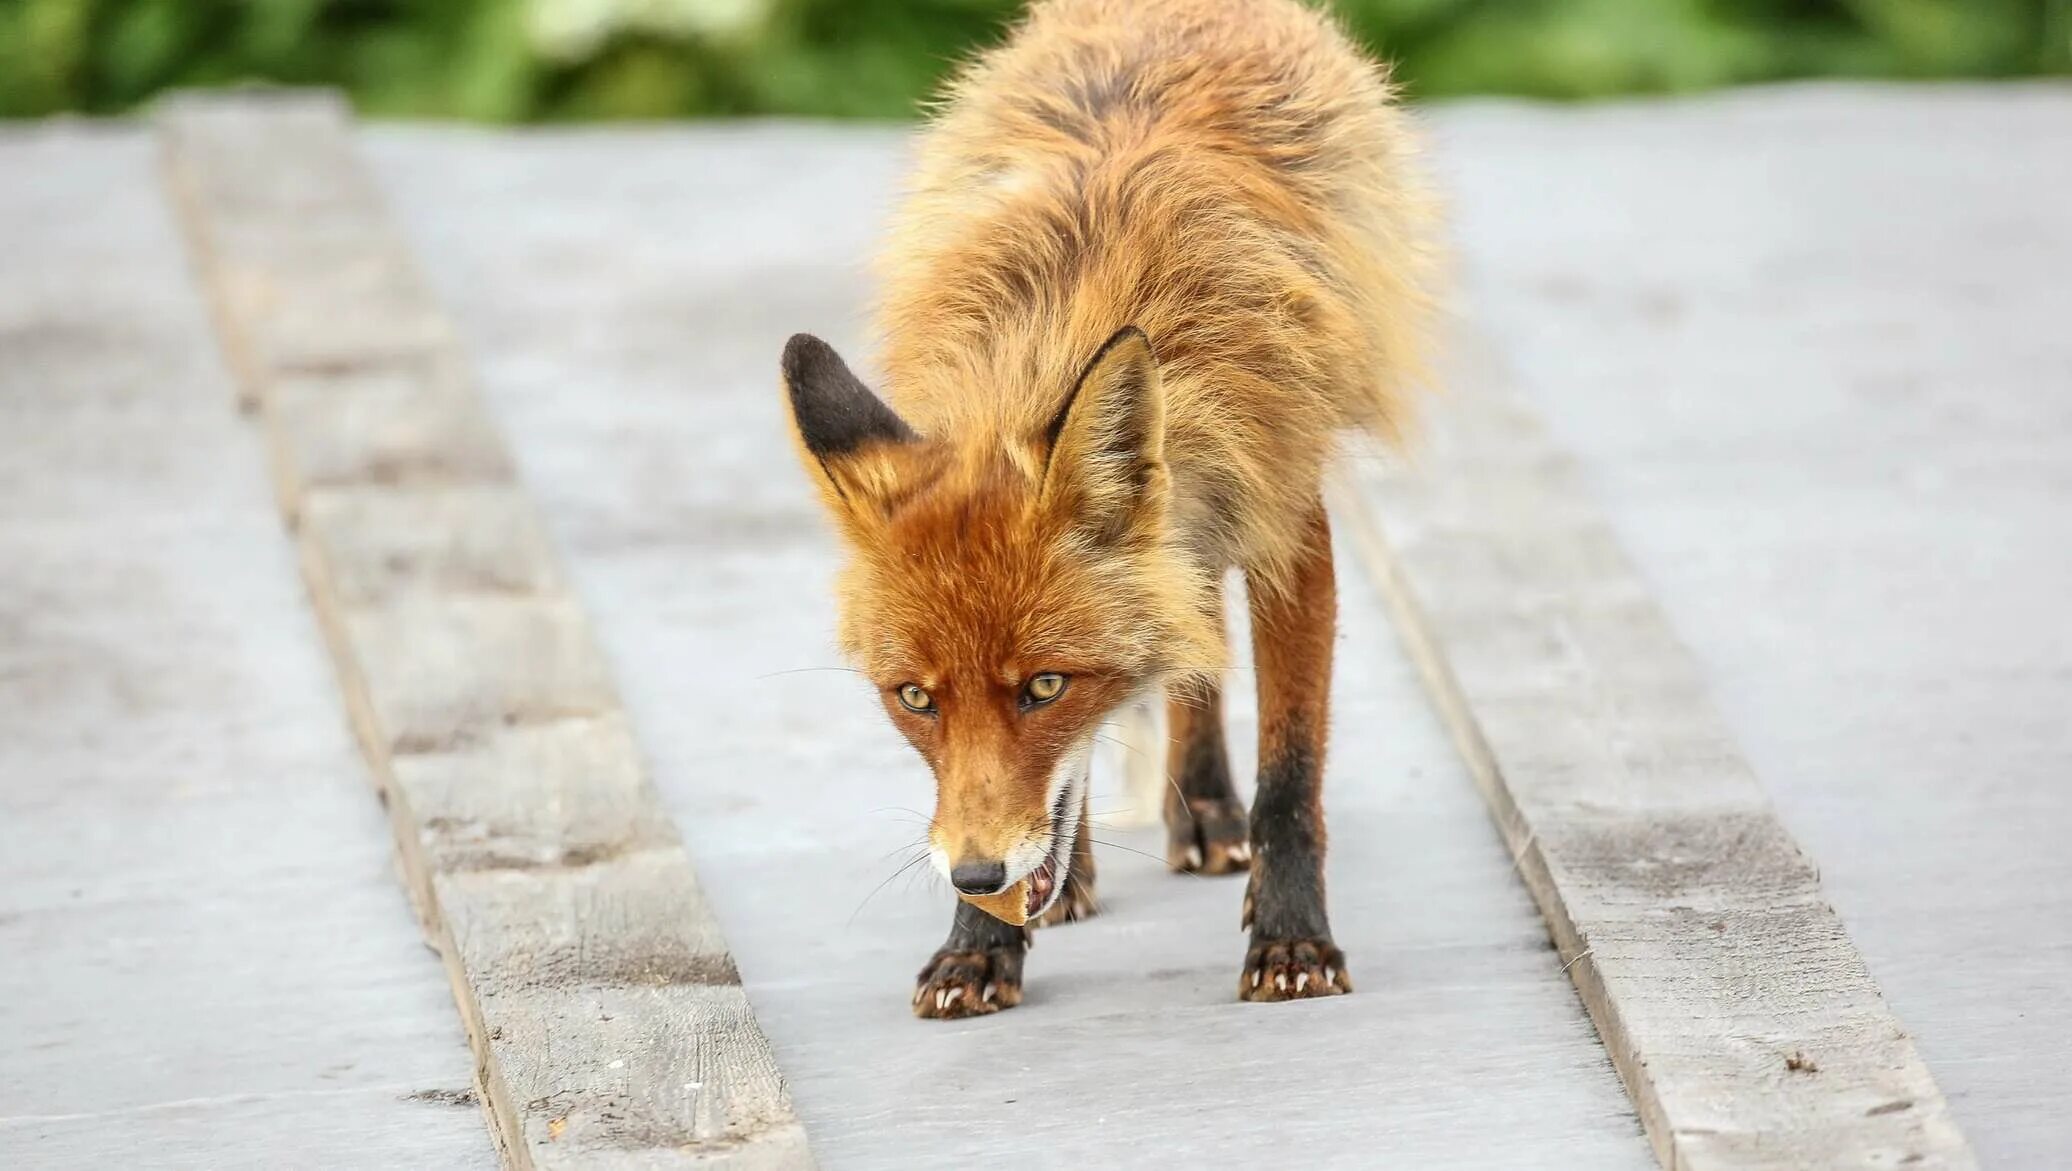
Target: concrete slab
{"x":1812,"y":347}
{"x":625,"y":295}
{"x":1810,"y":343}
{"x":209,"y":961}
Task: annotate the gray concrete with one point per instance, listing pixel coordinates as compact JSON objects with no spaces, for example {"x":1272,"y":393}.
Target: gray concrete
{"x":205,"y":958}
{"x":625,"y":294}
{"x":1815,"y":349}
{"x":1810,"y":343}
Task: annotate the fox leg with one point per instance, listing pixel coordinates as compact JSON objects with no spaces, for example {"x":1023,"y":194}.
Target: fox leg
{"x":1291,"y":954}
{"x":977,"y":970}
{"x":1077,"y":900}
{"x":1205,"y":822}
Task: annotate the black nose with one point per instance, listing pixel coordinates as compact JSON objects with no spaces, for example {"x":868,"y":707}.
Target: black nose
{"x":978,"y":878}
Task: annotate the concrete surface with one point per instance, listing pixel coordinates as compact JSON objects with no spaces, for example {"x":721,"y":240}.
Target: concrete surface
{"x":1810,"y":344}
{"x":1814,"y":347}
{"x":1810,"y":341}
{"x":205,"y":957}
{"x":625,"y":295}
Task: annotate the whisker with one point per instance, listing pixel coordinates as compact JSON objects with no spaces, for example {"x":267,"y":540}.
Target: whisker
{"x":1173,"y":783}
{"x":928,"y":874}
{"x":1158,"y":858}
{"x":909,"y":865}
{"x":913,"y":816}
{"x":1103,"y":821}
{"x":919,"y":846}
{"x":805,"y":670}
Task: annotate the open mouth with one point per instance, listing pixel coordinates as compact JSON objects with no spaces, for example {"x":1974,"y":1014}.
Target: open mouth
{"x":1048,"y":879}
{"x":1044,"y":882}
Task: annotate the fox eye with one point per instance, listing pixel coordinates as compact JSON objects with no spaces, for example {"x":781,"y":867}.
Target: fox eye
{"x":1043,"y":688}
{"x":916,"y":699}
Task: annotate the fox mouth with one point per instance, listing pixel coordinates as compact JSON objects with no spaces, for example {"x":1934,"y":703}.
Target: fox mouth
{"x":1047,"y":881}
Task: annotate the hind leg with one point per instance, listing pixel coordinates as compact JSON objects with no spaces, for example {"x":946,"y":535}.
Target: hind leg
{"x":1205,"y":822}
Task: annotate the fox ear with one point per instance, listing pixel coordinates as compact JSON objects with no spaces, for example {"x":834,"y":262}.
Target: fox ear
{"x":838,"y":418}
{"x":1107,"y":443}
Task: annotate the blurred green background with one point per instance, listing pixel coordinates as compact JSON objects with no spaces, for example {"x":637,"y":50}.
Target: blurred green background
{"x":524,"y":60}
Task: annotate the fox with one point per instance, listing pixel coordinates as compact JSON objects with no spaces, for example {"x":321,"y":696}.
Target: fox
{"x":1154,"y":261}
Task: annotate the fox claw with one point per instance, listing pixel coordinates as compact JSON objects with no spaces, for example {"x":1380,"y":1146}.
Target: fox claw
{"x":1293,"y":969}
{"x":958,"y":984}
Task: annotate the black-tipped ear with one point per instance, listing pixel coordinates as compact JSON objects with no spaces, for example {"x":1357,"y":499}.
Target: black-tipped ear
{"x":1107,"y":443}
{"x":835,"y":412}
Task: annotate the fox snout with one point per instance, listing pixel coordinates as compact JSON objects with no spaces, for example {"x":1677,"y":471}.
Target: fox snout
{"x":1007,"y":847}
{"x":984,"y":855}
{"x":975,"y":877}
{"x":1020,"y":882}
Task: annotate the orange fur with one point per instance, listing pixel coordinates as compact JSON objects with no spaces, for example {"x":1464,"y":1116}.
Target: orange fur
{"x":1231,"y":178}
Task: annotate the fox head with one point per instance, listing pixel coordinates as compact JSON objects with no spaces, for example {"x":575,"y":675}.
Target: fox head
{"x":1006,"y":593}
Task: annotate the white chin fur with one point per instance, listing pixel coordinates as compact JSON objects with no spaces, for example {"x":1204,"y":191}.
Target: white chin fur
{"x":1068,"y":793}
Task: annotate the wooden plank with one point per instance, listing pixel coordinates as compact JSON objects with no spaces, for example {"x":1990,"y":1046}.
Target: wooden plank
{"x":204,"y":958}
{"x":606,"y":1015}
{"x":1742,"y":1021}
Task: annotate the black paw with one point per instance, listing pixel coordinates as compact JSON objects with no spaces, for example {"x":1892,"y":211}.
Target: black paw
{"x":1209,"y":835}
{"x":1293,"y":969}
{"x":958,"y":984}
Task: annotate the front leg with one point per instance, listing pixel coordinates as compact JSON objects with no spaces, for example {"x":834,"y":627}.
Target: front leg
{"x":978,"y":969}
{"x":1291,"y":955}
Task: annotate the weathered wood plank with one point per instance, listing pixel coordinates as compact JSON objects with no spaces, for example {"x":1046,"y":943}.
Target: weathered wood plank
{"x":204,"y":959}
{"x":606,"y":1014}
{"x":1743,"y":1022}
{"x":399,"y":424}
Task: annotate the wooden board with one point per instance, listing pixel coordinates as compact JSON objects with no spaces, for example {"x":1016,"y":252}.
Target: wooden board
{"x":607,"y":1017}
{"x":1743,"y":1022}
{"x":1839,"y":460}
{"x":204,"y":957}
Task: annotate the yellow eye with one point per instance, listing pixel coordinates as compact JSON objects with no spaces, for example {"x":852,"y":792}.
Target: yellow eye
{"x":1043,"y":688}
{"x":916,"y":699}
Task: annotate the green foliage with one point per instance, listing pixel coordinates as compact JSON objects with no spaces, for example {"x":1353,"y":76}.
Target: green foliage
{"x":521,"y":60}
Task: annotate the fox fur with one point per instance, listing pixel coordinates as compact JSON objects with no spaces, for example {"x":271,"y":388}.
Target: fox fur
{"x":1155,"y":257}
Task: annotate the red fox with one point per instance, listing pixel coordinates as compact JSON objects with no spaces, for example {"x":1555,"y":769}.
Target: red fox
{"x":1156,"y":256}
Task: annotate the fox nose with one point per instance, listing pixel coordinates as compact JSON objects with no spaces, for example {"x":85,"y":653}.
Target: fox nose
{"x":978,"y":878}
